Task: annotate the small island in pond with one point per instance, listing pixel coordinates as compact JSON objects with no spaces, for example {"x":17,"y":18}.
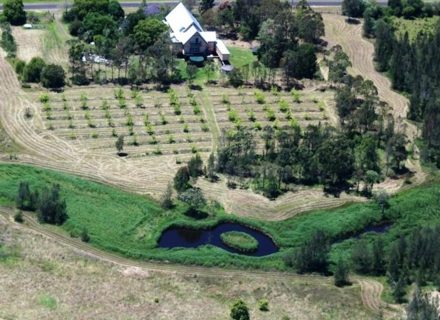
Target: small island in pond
{"x":239,"y":241}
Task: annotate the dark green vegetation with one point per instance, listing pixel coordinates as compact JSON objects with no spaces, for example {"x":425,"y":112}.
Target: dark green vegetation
{"x":13,"y":11}
{"x":345,"y":158}
{"x":410,"y":62}
{"x":131,"y":224}
{"x":50,"y":207}
{"x":240,"y":311}
{"x":240,"y":241}
{"x":136,"y":47}
{"x":8,"y":41}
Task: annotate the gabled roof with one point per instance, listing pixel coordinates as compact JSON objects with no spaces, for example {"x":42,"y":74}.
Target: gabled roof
{"x":181,"y":20}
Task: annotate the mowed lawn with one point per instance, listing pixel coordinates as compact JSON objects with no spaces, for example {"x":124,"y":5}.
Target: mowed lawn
{"x":240,"y":57}
{"x":131,"y":224}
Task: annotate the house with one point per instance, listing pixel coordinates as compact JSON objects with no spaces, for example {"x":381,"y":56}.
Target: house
{"x":189,"y":38}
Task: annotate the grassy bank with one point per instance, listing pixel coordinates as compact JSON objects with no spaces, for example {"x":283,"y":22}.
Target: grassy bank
{"x":131,"y":224}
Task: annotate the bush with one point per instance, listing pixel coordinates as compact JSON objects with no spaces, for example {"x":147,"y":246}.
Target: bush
{"x":240,"y":311}
{"x":8,"y":41}
{"x":235,"y":78}
{"x":85,"y":235}
{"x":19,"y":66}
{"x":53,"y":76}
{"x":32,"y":71}
{"x":263,"y":305}
{"x":18,"y":216}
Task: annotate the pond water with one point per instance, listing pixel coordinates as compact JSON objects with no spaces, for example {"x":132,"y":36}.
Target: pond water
{"x":179,"y":237}
{"x":380,"y":228}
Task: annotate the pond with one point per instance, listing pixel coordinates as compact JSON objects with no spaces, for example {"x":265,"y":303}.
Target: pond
{"x":180,"y":237}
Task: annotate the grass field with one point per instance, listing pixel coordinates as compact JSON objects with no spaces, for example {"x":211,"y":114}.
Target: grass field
{"x":55,"y":282}
{"x":241,"y":56}
{"x":131,"y":224}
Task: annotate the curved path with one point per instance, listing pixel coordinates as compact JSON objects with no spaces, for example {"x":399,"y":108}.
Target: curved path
{"x":361,"y":53}
{"x":371,"y":290}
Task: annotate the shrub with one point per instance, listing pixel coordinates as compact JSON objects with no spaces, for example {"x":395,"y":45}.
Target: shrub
{"x":260,"y":98}
{"x":53,"y":76}
{"x":84,"y":100}
{"x":33,"y":70}
{"x":18,"y":216}
{"x":270,"y":114}
{"x":263,"y":305}
{"x":44,"y":98}
{"x":295,"y":95}
{"x":235,"y":78}
{"x":284,"y":106}
{"x":85,"y":235}
{"x":239,"y":311}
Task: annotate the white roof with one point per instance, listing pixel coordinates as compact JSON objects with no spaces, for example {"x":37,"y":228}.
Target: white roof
{"x":180,"y":19}
{"x":222,"y":47}
{"x":209,"y":36}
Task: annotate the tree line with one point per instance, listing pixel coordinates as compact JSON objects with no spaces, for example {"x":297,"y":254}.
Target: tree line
{"x":412,"y":258}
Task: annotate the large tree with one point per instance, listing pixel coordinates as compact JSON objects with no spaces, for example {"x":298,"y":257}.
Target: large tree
{"x":147,"y":32}
{"x":53,"y":76}
{"x":32,"y":71}
{"x":353,"y":8}
{"x":13,"y":10}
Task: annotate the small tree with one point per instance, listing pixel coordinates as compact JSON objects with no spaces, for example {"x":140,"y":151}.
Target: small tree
{"x":194,"y":199}
{"x":26,"y":199}
{"x":18,"y":216}
{"x":312,"y":255}
{"x":120,"y":144}
{"x":166,"y":201}
{"x":235,"y":78}
{"x":191,"y":71}
{"x":53,"y":76}
{"x":210,"y":169}
{"x":181,"y":179}
{"x":84,"y":235}
{"x":382,"y":199}
{"x":399,"y":291}
{"x":240,"y":311}
{"x":32,"y":71}
{"x":52,"y":208}
{"x":195,"y":166}
{"x":341,"y":274}
{"x":13,"y":10}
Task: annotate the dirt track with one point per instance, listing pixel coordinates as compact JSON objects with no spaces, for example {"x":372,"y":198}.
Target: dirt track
{"x":370,"y":289}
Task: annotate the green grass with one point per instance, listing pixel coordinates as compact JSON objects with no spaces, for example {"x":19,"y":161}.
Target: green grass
{"x":131,"y":224}
{"x":413,"y":27}
{"x":240,"y":241}
{"x":240,"y":57}
{"x":47,"y":301}
{"x":201,"y":75}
